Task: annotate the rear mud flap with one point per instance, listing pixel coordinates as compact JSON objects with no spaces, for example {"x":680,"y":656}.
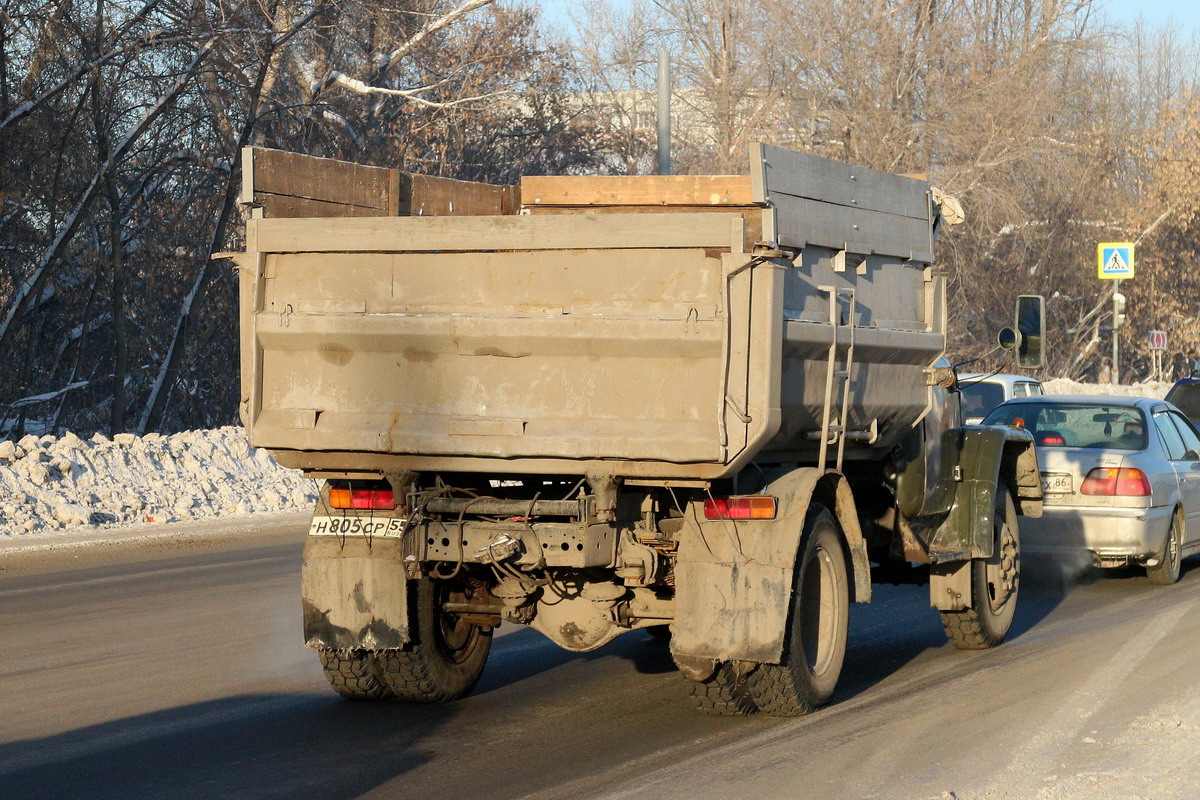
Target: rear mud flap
{"x":355,"y":593}
{"x":729,"y":611}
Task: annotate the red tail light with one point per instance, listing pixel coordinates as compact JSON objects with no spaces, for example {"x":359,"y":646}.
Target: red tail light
{"x":1051,"y":438}
{"x":753,"y":507}
{"x":377,"y":499}
{"x":1114,"y":482}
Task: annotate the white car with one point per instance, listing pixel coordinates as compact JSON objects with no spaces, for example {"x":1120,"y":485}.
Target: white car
{"x":981,"y":392}
{"x":1120,"y":479}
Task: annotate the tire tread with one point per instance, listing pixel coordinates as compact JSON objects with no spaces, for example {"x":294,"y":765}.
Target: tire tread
{"x":353,"y":674}
{"x":724,"y":694}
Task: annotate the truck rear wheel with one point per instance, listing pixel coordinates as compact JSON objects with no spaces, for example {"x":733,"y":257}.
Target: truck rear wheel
{"x":814,"y":647}
{"x":445,"y":658}
{"x":995,"y":582}
{"x":724,"y":694}
{"x":353,"y":674}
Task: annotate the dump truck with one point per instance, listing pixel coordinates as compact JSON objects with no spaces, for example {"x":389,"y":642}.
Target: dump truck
{"x":714,"y":407}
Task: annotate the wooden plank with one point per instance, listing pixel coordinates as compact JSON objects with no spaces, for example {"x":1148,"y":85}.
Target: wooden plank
{"x":804,"y":222}
{"x":636,"y":190}
{"x":281,"y":206}
{"x":463,"y":234}
{"x":429,"y":196}
{"x":282,"y":173}
{"x":752,"y":215}
{"x":787,"y":172}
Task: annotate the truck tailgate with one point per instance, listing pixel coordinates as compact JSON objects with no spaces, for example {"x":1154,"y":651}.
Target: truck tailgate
{"x":616,"y":352}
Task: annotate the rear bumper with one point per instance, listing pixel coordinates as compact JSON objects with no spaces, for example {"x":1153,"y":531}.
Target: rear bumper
{"x":1114,"y":536}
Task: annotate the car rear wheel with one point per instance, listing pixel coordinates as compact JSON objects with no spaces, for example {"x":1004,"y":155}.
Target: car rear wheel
{"x":1170,"y":559}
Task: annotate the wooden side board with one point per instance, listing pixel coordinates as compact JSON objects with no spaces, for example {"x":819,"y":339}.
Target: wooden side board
{"x":752,"y":215}
{"x":445,"y":234}
{"x":282,"y":206}
{"x":270,"y":175}
{"x":291,"y":185}
{"x":636,"y":190}
{"x":427,"y":196}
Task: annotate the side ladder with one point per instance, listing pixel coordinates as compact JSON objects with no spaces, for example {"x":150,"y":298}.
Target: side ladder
{"x":833,"y":422}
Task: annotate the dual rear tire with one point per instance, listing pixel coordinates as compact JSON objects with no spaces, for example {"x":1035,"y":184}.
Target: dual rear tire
{"x":814,"y":647}
{"x":442,"y":663}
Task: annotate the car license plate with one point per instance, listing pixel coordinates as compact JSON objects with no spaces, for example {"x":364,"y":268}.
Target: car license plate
{"x":1056,"y":483}
{"x":356,"y":526}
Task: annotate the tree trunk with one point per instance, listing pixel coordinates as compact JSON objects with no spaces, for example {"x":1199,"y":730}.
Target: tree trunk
{"x":120,"y":350}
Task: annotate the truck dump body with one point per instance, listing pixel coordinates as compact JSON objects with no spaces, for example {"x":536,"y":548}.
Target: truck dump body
{"x":672,"y":328}
{"x":593,"y":405}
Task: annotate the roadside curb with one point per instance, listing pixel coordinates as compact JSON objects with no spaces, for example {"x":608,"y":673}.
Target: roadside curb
{"x":212,"y":530}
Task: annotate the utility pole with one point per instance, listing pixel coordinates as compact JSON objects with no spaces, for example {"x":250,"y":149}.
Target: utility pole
{"x":664,"y":112}
{"x":1116,"y":331}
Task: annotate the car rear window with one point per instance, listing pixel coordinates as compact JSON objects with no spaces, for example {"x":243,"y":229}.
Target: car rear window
{"x":1186,"y":397}
{"x":1089,"y":425}
{"x":980,"y":398}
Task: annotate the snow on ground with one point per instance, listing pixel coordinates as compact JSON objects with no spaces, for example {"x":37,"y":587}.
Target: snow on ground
{"x":50,"y":484}
{"x":1148,"y":389}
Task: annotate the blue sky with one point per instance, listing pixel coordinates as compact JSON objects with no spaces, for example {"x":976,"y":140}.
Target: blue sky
{"x":1185,"y":13}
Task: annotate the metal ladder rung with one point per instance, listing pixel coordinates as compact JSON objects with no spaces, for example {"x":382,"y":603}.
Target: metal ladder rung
{"x":837,"y":433}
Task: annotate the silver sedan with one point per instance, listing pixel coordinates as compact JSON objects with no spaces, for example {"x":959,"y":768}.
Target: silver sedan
{"x":1120,"y":477}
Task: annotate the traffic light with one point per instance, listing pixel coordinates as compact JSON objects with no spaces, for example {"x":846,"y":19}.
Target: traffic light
{"x":1031,"y":325}
{"x":1118,"y":310}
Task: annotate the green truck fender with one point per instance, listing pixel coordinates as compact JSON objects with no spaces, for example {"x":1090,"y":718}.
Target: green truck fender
{"x":988,"y":457}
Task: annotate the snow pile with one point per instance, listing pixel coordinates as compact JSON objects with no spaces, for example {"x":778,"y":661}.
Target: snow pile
{"x":48,"y":484}
{"x":1157,"y":389}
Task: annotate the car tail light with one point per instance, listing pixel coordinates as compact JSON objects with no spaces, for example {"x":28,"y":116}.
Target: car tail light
{"x":757,"y":506}
{"x":377,"y":499}
{"x":1051,"y":438}
{"x":1114,"y":482}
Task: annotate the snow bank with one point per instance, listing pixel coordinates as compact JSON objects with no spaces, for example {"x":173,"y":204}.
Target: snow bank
{"x":1157,"y":389}
{"x":49,"y":484}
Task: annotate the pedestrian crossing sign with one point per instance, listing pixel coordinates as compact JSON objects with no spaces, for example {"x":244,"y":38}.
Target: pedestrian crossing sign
{"x":1114,"y":260}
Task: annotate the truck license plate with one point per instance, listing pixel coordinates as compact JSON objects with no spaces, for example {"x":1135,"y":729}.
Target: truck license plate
{"x":1056,"y":483}
{"x":356,"y":526}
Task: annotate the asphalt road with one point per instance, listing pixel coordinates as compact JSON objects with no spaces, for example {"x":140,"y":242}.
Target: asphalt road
{"x":177,"y":671}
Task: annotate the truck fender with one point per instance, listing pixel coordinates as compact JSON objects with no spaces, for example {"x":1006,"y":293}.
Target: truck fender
{"x":987,"y":457}
{"x":355,"y":593}
{"x":734,"y":580}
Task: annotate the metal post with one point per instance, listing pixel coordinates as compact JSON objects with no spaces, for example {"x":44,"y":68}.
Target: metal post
{"x":664,"y":112}
{"x":1116,"y":335}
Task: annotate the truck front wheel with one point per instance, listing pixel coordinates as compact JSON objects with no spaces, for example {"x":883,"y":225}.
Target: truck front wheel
{"x":445,"y":658}
{"x":994,"y":585}
{"x":818,"y":620}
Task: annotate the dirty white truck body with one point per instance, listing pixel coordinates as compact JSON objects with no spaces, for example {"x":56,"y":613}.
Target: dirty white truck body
{"x":569,"y":404}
